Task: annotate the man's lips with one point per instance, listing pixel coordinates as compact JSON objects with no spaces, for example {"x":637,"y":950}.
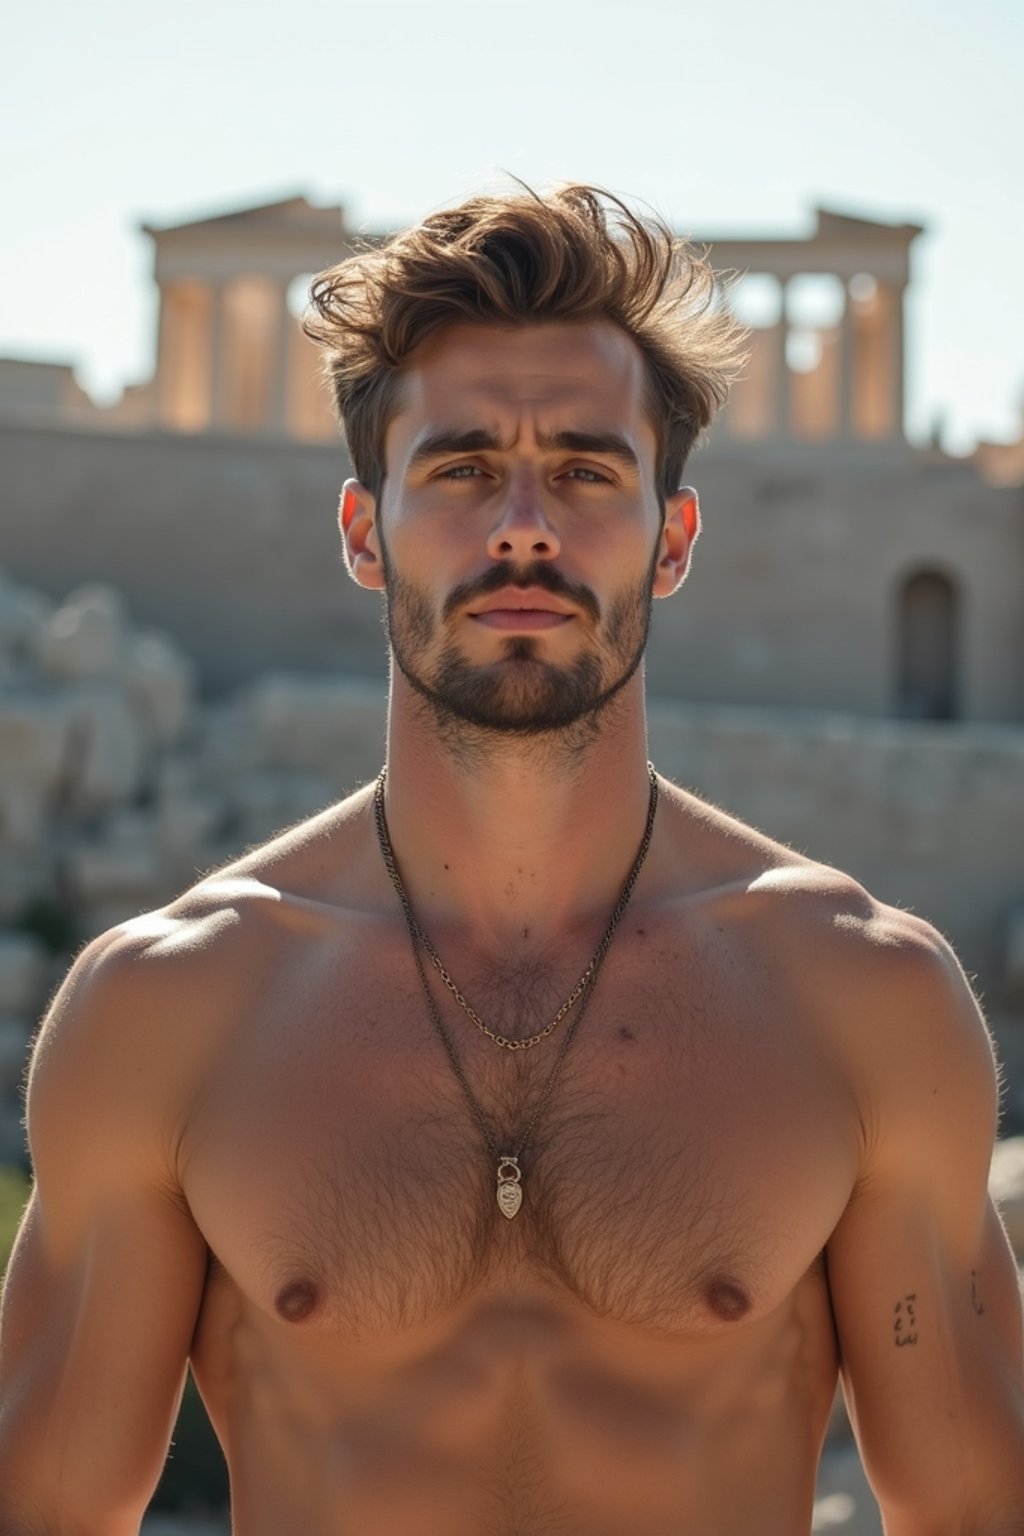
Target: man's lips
{"x":521,"y":608}
{"x":521,"y":618}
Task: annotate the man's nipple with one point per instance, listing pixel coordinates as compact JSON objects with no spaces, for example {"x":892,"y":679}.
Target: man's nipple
{"x":297,"y":1300}
{"x":726,"y":1299}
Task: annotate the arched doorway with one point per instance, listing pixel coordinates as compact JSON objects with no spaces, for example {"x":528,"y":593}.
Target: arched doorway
{"x":927,"y":647}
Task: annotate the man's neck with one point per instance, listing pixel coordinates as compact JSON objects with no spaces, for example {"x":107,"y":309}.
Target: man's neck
{"x":511,"y":842}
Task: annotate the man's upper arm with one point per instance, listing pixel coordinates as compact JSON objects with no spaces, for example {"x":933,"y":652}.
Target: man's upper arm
{"x":106,"y":1277}
{"x":922,"y":1278}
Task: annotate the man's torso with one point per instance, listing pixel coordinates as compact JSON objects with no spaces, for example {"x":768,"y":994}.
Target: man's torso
{"x":648,"y":1345}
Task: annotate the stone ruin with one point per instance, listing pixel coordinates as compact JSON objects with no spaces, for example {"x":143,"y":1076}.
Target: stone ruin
{"x":119,"y":787}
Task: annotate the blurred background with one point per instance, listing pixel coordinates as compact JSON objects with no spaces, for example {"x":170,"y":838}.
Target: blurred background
{"x":184,"y":667}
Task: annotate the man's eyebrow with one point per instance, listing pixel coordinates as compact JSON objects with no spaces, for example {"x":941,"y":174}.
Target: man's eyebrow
{"x":611,"y":445}
{"x":473,"y":440}
{"x":477,"y":440}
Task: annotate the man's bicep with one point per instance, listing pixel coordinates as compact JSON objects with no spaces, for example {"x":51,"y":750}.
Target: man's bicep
{"x":106,"y":1276}
{"x":930,"y":1350}
{"x":923,"y":1282}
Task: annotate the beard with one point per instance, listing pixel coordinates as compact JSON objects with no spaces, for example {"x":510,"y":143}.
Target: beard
{"x":521,"y":694}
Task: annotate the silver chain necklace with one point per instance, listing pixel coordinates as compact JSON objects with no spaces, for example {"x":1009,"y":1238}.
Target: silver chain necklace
{"x":509,"y":1187}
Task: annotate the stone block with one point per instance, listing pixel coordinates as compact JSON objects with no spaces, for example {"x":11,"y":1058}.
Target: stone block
{"x":268,"y":802}
{"x":120,"y":863}
{"x":106,"y":757}
{"x":1006,"y":1186}
{"x":1008,"y":1035}
{"x":85,"y":637}
{"x":161,"y":686}
{"x":323,"y":725}
{"x":1015,"y":956}
{"x":27,"y":875}
{"x":24,"y":813}
{"x":15,"y":1035}
{"x":96,"y":872}
{"x":100,"y":916}
{"x":12,"y":1131}
{"x":24,"y":973}
{"x":188,"y":824}
{"x":224,"y":740}
{"x":34,"y":737}
{"x":34,"y":747}
{"x":24,"y":614}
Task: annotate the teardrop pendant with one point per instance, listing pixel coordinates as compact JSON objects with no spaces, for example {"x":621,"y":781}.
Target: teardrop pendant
{"x":510,"y":1194}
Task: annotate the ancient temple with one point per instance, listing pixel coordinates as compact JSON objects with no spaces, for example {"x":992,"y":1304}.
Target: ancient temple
{"x":230,"y":354}
{"x":828,"y":330}
{"x":827,"y":318}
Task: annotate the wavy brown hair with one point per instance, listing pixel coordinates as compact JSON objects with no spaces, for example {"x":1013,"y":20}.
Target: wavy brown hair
{"x":576,"y":254}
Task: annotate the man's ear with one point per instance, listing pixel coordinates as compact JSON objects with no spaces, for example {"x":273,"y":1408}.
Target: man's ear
{"x":678,"y":534}
{"x":357,"y":519}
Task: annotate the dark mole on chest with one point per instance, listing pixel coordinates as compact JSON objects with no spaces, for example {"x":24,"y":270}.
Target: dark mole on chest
{"x":297,"y":1300}
{"x":727,"y":1300}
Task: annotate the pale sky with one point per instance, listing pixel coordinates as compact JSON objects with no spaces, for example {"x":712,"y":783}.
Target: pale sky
{"x":731,"y":117}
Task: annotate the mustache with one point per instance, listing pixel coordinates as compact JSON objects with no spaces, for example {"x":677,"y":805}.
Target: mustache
{"x":505,"y":574}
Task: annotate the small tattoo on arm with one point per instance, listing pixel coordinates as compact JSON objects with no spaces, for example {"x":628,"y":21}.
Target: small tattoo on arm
{"x":975,"y":1298}
{"x":904,"y":1324}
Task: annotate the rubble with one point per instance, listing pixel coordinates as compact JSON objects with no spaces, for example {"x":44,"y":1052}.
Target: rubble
{"x":24,"y":972}
{"x":119,"y":787}
{"x":1015,"y":955}
{"x":1006,"y":1186}
{"x":85,"y":637}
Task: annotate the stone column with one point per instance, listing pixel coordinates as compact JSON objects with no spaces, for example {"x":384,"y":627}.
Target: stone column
{"x":165,"y":360}
{"x":218,"y":355}
{"x":781,"y":414}
{"x":847,"y":366}
{"x":280,"y":382}
{"x":895,"y":339}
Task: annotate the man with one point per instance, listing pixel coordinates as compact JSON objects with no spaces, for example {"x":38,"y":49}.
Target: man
{"x":523,"y":1145}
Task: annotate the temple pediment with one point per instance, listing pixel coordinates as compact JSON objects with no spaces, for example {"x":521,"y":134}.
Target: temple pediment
{"x":293,"y":214}
{"x":845,"y":226}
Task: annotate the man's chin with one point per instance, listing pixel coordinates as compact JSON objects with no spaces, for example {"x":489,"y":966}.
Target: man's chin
{"x":516,"y":696}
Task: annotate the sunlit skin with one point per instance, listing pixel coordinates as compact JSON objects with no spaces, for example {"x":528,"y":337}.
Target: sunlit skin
{"x":765,"y":1162}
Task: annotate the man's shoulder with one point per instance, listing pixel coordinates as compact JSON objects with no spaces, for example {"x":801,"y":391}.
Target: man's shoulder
{"x":882,"y":992}
{"x":765,"y":881}
{"x":311,"y":863}
{"x":773,"y":883}
{"x":884,"y":984}
{"x":843,"y":938}
{"x":192,"y":958}
{"x":818,"y":927}
{"x":313,"y":859}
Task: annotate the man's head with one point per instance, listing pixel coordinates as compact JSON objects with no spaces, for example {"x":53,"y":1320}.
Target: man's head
{"x":520,"y":382}
{"x":577,"y":254}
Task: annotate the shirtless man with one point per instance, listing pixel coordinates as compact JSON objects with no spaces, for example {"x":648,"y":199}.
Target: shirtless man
{"x":761,"y":1164}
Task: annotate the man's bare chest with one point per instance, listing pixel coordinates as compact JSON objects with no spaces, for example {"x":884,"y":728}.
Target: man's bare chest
{"x":687,"y":1169}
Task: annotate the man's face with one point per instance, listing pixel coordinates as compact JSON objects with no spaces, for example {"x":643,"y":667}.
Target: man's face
{"x":519,"y":536}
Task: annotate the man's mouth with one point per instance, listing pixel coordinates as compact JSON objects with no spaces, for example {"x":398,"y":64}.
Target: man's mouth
{"x":521,"y":608}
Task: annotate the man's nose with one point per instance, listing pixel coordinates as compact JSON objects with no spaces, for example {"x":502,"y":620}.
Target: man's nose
{"x":523,"y":531}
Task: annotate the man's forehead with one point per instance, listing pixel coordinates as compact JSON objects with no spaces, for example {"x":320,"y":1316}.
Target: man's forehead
{"x":564,"y":375}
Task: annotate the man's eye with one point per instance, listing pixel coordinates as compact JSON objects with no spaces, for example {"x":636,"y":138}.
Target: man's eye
{"x":460,"y":472}
{"x":593,"y":478}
